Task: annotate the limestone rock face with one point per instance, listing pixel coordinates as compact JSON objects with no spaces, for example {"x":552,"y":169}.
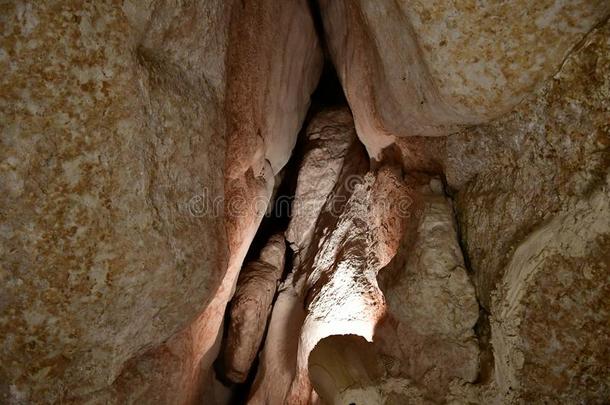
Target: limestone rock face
{"x":111,"y":125}
{"x":330,"y":139}
{"x":277,"y":366}
{"x":250,"y":308}
{"x":427,"y":337}
{"x":428,"y":67}
{"x":274,"y":57}
{"x":342,"y":292}
{"x":343,"y":295}
{"x":531,"y":198}
{"x":550,"y":314}
{"x":273,"y":62}
{"x":450,"y":230}
{"x":518,"y":172}
{"x":123,"y":225}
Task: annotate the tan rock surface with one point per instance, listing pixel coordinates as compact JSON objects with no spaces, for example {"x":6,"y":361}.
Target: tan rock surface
{"x":551,"y":315}
{"x":141,"y":143}
{"x":428,"y":67}
{"x":323,"y":177}
{"x":282,"y":49}
{"x":114,"y":234}
{"x":427,"y":337}
{"x":518,"y":172}
{"x":330,"y":139}
{"x":278,"y":357}
{"x":108,"y":132}
{"x":342,"y":292}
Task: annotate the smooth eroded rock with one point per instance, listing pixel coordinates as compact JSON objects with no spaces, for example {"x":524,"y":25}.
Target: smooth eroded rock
{"x":250,"y":308}
{"x":429,"y":67}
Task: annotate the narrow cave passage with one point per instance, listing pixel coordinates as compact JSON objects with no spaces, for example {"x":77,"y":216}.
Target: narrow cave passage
{"x":327,"y":95}
{"x":437,"y":200}
{"x":345,"y":221}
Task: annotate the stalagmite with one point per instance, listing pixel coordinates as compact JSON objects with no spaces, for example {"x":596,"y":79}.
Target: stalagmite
{"x":358,"y":233}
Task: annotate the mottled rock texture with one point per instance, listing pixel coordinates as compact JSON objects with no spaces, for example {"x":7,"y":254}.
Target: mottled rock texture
{"x":428,"y":335}
{"x":141,"y":142}
{"x":330,"y":139}
{"x":112,"y":121}
{"x":273,"y":62}
{"x":550,"y":329}
{"x":518,"y":172}
{"x":341,"y":277}
{"x":428,"y":67}
{"x":116,"y":121}
{"x":525,"y":184}
{"x":250,"y":308}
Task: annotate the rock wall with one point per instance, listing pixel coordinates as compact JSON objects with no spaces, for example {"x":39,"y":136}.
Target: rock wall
{"x":251,"y":307}
{"x":121,"y":218}
{"x":271,"y":71}
{"x":141,"y":143}
{"x":550,"y":313}
{"x":429,"y":67}
{"x":427,"y":336}
{"x":342,"y":293}
{"x":332,"y":156}
{"x":518,"y":172}
{"x":533,"y":211}
{"x":112,"y":121}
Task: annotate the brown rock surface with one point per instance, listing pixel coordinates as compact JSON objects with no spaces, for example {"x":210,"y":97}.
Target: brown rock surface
{"x":250,"y":308}
{"x":141,"y":143}
{"x":114,"y":233}
{"x":271,"y":70}
{"x":427,"y":337}
{"x":112,"y":123}
{"x":323,"y":176}
{"x":518,"y":172}
{"x":354,"y":243}
{"x":551,"y":314}
{"x":330,"y":140}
